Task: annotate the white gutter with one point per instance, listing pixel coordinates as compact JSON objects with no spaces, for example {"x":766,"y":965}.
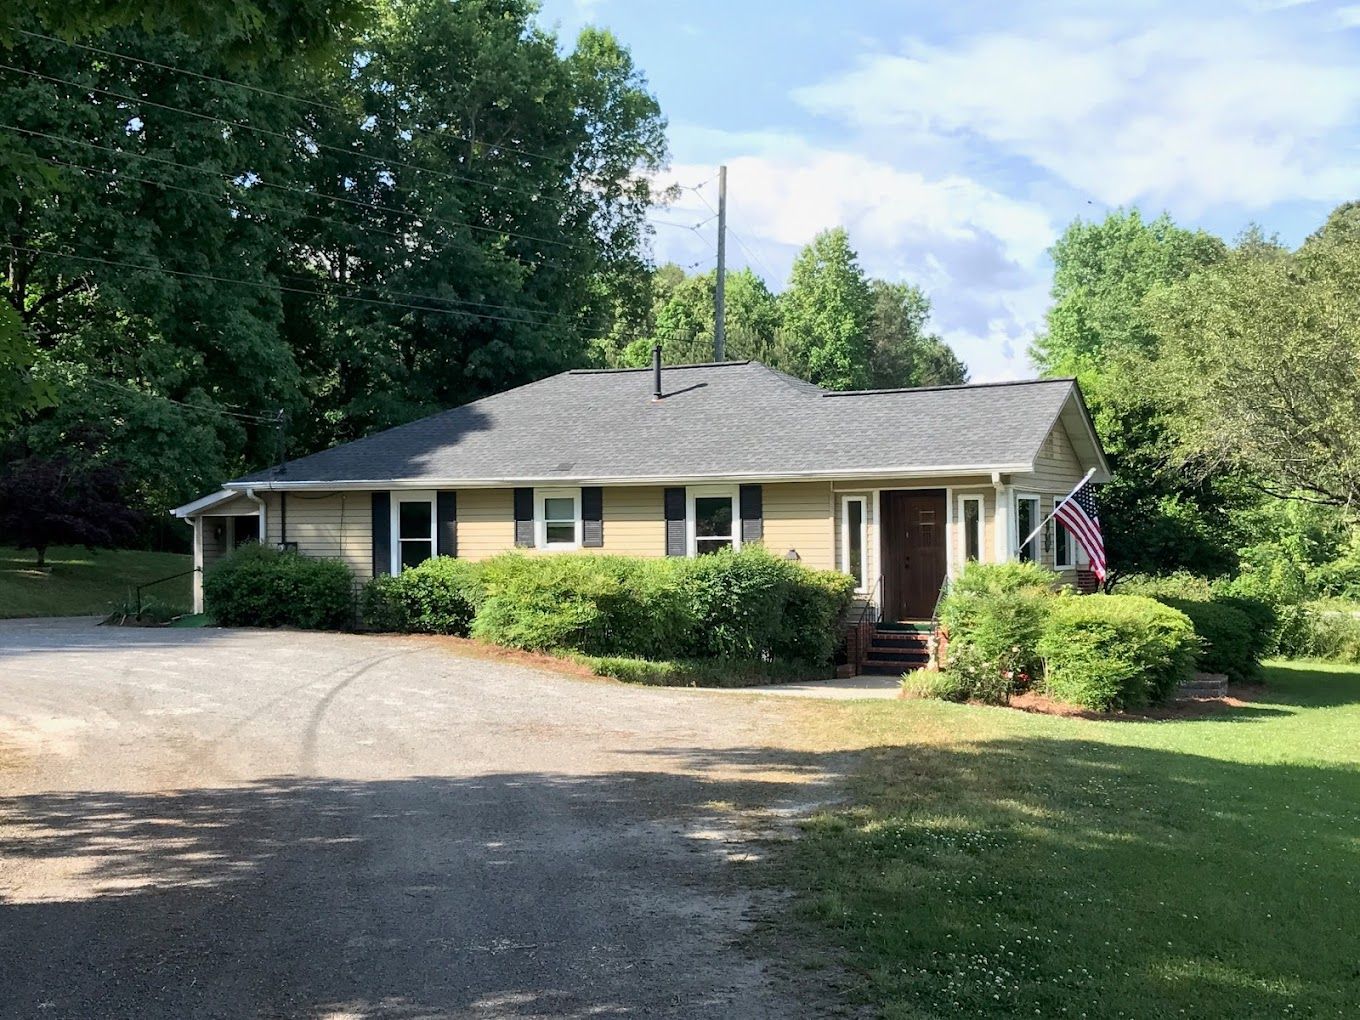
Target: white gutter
{"x":946,"y":471}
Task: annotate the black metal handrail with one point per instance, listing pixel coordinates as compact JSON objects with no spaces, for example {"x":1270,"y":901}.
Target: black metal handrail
{"x":160,"y":580}
{"x":871,"y":604}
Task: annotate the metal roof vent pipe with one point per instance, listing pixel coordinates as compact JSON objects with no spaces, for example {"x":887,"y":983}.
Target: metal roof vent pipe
{"x":656,"y":373}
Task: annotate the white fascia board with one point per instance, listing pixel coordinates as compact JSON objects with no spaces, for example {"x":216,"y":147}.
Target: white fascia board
{"x":205,"y":502}
{"x":946,"y":471}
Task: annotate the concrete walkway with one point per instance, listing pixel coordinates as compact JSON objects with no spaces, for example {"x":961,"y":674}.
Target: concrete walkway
{"x":846,"y":689}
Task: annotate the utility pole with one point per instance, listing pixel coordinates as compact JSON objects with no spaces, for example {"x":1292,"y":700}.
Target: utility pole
{"x":719,"y":323}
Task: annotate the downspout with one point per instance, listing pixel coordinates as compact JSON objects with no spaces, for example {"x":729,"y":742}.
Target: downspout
{"x":263,"y":513}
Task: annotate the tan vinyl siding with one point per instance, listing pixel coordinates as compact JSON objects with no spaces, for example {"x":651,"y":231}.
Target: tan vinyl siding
{"x":634,"y":521}
{"x":1057,"y":470}
{"x":332,"y":525}
{"x":216,"y":536}
{"x":798,"y":515}
{"x":486,"y":522}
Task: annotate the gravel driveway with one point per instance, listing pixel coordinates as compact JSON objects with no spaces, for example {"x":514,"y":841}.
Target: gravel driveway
{"x":215,"y":823}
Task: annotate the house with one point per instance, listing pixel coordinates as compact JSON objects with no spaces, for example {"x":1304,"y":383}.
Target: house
{"x":898,"y":488}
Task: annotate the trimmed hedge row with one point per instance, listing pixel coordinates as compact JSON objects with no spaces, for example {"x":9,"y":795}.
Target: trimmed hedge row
{"x":258,"y":586}
{"x":741,"y":606}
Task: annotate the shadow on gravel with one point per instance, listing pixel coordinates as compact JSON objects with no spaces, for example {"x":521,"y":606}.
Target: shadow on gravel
{"x":499,"y":895}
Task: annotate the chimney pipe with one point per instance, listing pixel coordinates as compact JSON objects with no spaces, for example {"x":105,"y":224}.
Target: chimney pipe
{"x":656,"y":372}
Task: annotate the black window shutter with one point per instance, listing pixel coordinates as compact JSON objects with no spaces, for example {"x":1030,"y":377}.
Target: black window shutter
{"x":382,"y":533}
{"x":524,"y":517}
{"x":676,"y":539}
{"x":446,"y":530}
{"x":592,"y":517}
{"x":752,"y":513}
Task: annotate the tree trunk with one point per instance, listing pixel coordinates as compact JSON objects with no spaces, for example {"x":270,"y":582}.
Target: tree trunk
{"x":42,"y":557}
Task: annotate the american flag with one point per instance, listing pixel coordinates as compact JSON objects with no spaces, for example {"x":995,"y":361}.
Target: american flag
{"x":1079,"y":516}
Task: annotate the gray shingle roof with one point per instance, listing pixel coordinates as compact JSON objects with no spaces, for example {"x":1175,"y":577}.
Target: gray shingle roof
{"x":724,"y":420}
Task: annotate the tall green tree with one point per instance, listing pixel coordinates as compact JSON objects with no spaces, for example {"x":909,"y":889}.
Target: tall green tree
{"x":1261,"y":359}
{"x":441,"y":205}
{"x":827,"y":314}
{"x":1157,"y":515}
{"x":683,"y":318}
{"x":902,"y":352}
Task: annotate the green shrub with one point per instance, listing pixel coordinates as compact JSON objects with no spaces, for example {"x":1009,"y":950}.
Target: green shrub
{"x":1179,"y":585}
{"x":737,"y":601}
{"x":994,"y":614}
{"x":439,"y":596}
{"x":1230,"y":642}
{"x":599,"y":605}
{"x":1325,"y":630}
{"x":1116,"y":651}
{"x":703,"y":672}
{"x":257,"y":586}
{"x":935,"y":684}
{"x":814,"y":617}
{"x":746,"y":606}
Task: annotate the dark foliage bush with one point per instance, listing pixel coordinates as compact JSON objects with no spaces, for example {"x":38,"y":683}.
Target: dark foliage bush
{"x":439,"y":596}
{"x":1230,"y":641}
{"x":703,"y":672}
{"x":994,"y":614}
{"x":1116,"y":651}
{"x":258,"y":586}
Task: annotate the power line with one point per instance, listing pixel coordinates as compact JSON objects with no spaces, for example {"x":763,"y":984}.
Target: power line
{"x":312,"y":292}
{"x":123,"y":387}
{"x":141,"y":101}
{"x":260,"y":90}
{"x":758,"y":260}
{"x":450,"y":300}
{"x":258,"y":181}
{"x":120,"y":175}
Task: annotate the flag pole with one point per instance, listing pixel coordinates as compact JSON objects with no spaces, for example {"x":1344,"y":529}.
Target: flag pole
{"x":1056,"y":507}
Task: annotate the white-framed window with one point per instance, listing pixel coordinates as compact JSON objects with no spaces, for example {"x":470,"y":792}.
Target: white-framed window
{"x":1026,"y":519}
{"x":713,"y":519}
{"x":557,"y":518}
{"x":855,"y":539}
{"x":1064,"y":552}
{"x":970,"y":527}
{"x":413,"y":525}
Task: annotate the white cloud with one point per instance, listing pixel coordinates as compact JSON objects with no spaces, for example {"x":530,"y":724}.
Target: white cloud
{"x":978,"y":254}
{"x":1191,"y":113}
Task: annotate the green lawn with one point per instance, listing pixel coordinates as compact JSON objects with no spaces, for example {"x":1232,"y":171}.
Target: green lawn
{"x":995,"y":863}
{"x":80,"y":582}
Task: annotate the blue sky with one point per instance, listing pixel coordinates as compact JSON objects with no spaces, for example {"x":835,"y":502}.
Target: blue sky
{"x":955,"y":141}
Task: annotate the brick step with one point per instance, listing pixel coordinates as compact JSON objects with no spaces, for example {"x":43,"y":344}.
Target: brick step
{"x":917,"y":657}
{"x":899,"y":637}
{"x":873,"y":667}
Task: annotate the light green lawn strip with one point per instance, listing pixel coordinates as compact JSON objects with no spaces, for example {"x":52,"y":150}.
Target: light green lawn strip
{"x":1000,"y":863}
{"x":84,"y":583}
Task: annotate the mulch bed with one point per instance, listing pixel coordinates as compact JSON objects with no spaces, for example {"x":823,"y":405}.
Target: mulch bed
{"x":1239,"y":696}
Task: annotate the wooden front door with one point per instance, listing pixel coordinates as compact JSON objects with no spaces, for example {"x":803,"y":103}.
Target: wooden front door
{"x":914,"y":551}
